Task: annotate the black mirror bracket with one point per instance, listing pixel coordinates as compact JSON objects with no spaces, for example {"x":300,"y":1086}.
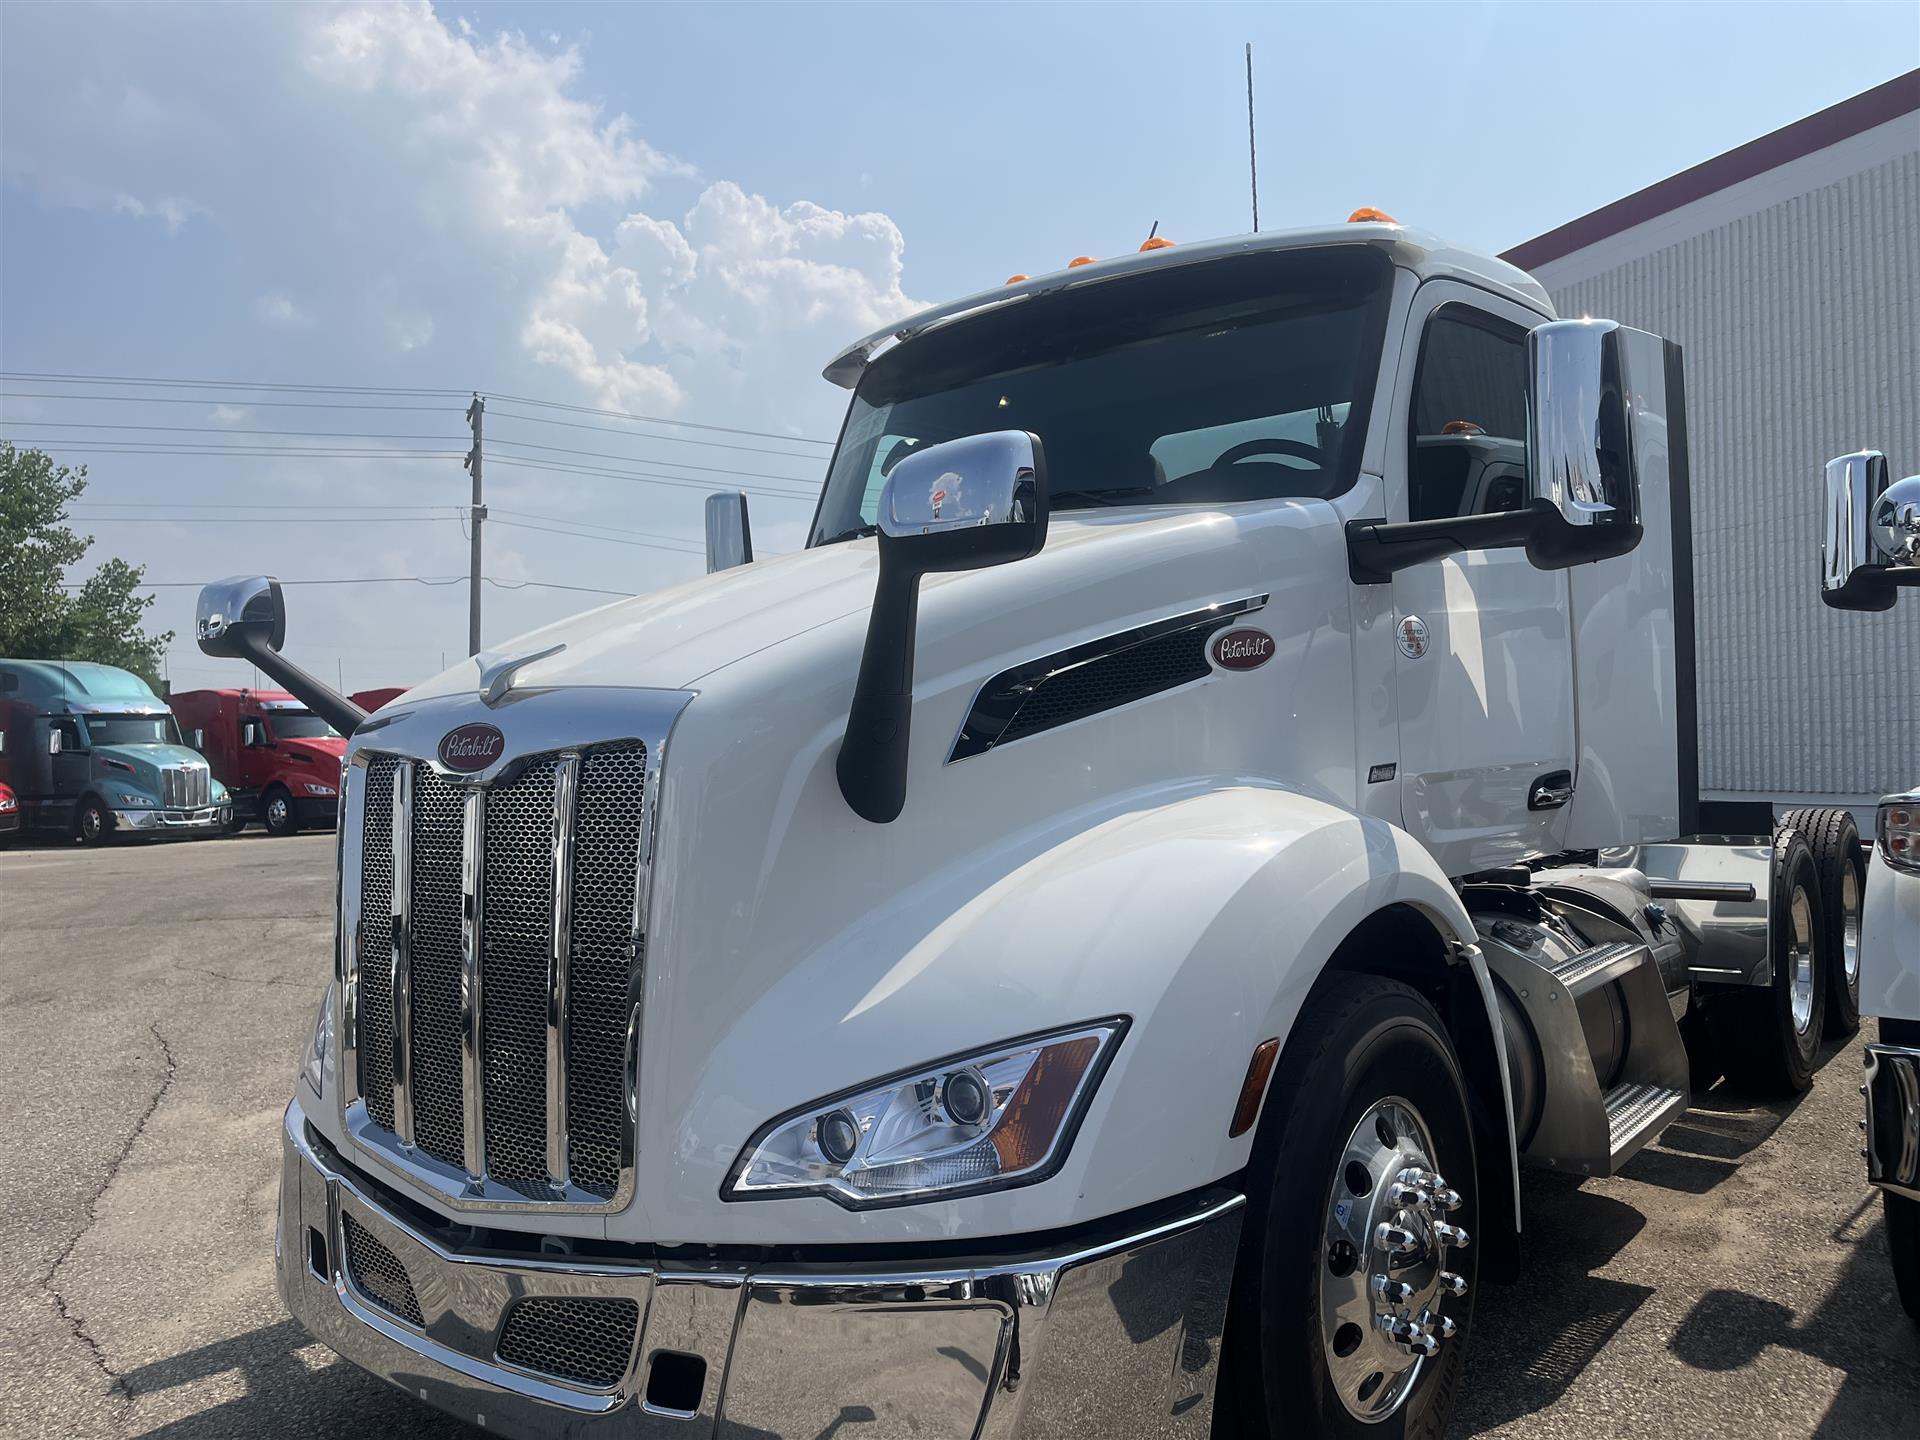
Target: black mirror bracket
{"x":1378,"y":548}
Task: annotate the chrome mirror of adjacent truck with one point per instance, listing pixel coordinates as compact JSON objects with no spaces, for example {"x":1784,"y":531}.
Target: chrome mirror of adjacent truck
{"x":244,"y":618}
{"x":963,"y":505}
{"x":729,"y":537}
{"x":1598,"y":397}
{"x":1872,"y":543}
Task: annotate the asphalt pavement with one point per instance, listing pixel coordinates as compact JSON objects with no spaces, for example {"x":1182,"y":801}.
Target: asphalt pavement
{"x":154,"y":1000}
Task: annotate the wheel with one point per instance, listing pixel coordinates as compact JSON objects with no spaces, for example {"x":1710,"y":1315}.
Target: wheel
{"x":236,"y":821}
{"x":1769,"y":1036}
{"x":1835,"y":841}
{"x":1350,"y":1309}
{"x":93,"y":822}
{"x":1903,"y":1238}
{"x":276,"y":812}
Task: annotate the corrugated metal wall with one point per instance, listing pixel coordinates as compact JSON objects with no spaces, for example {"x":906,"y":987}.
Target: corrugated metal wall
{"x":1801,"y":325}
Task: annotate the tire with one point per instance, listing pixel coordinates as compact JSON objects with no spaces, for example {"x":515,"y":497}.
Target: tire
{"x":1360,"y":1044}
{"x":1834,"y":839}
{"x":1903,"y":1238}
{"x":276,"y":811}
{"x":93,"y":823}
{"x":1769,"y":1044}
{"x":236,"y":822}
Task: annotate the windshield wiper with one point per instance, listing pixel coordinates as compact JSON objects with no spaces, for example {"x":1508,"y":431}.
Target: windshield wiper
{"x":1097,"y":497}
{"x":858,"y":532}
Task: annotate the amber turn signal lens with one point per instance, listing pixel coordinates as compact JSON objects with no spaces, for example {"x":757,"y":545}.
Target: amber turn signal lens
{"x":1079,"y":260}
{"x":1015,"y":279}
{"x":1367,"y":212}
{"x":1033,"y":1116}
{"x":1253,"y":1088}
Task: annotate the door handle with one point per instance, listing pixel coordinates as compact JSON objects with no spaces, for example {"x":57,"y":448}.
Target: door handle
{"x":1551,"y":790}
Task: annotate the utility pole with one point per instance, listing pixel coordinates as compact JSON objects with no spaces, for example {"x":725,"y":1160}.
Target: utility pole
{"x":476,"y":414}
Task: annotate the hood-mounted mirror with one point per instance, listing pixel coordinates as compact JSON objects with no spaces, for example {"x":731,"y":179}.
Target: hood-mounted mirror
{"x":244,"y":618}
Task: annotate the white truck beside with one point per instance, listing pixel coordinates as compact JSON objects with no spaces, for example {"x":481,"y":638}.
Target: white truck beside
{"x":1084,"y":947}
{"x":1872,"y":551}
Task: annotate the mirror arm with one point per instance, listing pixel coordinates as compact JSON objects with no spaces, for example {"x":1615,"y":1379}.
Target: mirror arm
{"x":338,"y":711}
{"x":1377,"y":548}
{"x":872,"y":765}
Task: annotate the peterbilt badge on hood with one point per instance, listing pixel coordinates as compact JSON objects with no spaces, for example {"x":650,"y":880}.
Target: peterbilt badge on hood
{"x":471,"y":747}
{"x":1242,"y":649}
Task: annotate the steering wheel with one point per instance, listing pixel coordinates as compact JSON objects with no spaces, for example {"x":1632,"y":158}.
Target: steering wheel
{"x":1248,"y":449}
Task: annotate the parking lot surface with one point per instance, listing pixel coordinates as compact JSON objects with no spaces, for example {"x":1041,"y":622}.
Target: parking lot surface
{"x":154,"y":1000}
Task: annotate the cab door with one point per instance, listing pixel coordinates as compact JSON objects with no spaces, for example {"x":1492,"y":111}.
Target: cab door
{"x":1484,"y":658}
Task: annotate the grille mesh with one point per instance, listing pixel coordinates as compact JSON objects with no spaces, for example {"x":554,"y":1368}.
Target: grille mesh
{"x":1113,"y":680}
{"x":439,"y":1124}
{"x":186,"y":786}
{"x":518,"y":935}
{"x":601,"y":956}
{"x":589,"y":1341}
{"x":376,"y":942}
{"x":377,"y":1272}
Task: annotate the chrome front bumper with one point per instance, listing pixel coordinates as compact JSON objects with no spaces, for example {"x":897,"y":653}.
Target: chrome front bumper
{"x":208,"y":817}
{"x":1115,"y":1337}
{"x":1893,"y":1118}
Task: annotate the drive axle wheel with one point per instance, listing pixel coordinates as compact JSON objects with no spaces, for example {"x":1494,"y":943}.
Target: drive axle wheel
{"x":1350,"y":1301}
{"x":1769,"y":1036}
{"x":1834,"y":838}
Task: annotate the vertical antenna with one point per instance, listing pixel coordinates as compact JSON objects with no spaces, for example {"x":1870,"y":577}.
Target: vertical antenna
{"x":1253,"y":163}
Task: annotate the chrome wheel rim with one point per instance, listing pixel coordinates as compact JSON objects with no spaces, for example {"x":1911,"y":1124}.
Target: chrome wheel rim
{"x":1800,"y":961}
{"x":277,"y":812}
{"x":1383,"y":1258}
{"x":1850,"y":927}
{"x":90,"y":823}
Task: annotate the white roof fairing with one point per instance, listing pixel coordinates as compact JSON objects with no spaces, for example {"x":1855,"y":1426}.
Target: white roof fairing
{"x":1427,"y":256}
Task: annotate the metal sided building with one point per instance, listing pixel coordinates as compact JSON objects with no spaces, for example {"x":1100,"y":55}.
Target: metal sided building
{"x":1789,"y":269}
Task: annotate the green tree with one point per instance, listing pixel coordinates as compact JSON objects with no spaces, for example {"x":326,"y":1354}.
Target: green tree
{"x":40,"y":619}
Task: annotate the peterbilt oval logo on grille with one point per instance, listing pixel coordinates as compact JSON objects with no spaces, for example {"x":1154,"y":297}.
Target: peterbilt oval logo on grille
{"x":1242,"y":649}
{"x":471,"y":747}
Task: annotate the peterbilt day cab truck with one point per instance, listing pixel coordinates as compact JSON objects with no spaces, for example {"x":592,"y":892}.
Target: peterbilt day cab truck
{"x":1083,"y":947}
{"x":1871,"y":553}
{"x":279,"y":761}
{"x":92,"y":752}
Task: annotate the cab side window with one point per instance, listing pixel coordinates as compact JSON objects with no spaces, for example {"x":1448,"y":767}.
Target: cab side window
{"x":1468,"y":429}
{"x":69,"y":732}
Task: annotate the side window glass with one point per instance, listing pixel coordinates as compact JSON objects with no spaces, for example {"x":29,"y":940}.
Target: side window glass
{"x":891,"y":450}
{"x":69,"y":735}
{"x":1469,"y":421}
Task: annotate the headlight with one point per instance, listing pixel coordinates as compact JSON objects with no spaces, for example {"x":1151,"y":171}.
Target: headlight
{"x":123,"y":798}
{"x":1899,"y":827}
{"x":319,"y":1066}
{"x":316,"y":789}
{"x":990,"y":1120}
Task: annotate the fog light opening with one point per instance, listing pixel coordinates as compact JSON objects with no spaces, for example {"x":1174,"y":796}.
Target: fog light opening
{"x":675,"y":1382}
{"x":317,"y":1255}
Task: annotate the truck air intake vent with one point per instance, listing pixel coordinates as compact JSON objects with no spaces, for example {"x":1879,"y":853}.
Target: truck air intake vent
{"x":588,"y":1341}
{"x":378,"y":1274}
{"x":536,"y":928}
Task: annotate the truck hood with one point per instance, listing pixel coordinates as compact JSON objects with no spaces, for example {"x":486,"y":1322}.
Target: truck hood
{"x":320,"y":756}
{"x":146,"y":761}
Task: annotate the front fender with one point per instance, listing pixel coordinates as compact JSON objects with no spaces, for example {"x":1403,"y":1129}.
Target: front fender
{"x":1205,"y":920}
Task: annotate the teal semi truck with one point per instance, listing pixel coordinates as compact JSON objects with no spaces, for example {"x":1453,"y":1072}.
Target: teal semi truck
{"x":92,"y":752}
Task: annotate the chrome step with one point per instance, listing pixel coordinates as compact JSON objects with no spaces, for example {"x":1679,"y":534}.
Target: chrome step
{"x":1636,"y":1114}
{"x":1590,"y":969}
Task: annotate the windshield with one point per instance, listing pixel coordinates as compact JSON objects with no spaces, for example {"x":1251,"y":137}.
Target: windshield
{"x":1240,"y":379}
{"x":131,"y":730}
{"x":300,"y":725}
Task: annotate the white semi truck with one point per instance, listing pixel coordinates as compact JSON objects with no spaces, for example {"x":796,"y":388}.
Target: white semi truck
{"x":1871,"y":552}
{"x":1084,"y":947}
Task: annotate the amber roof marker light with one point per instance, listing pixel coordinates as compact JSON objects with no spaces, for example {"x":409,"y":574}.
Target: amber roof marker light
{"x":1367,"y":212}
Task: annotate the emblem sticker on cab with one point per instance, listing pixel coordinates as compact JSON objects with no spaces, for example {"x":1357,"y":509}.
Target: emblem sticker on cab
{"x":471,"y":747}
{"x":1413,"y":637}
{"x":1242,"y":649}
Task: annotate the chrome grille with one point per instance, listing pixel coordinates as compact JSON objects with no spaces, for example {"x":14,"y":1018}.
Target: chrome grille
{"x":516,"y":922}
{"x":587,"y":1341}
{"x":377,"y":1273}
{"x":186,"y":787}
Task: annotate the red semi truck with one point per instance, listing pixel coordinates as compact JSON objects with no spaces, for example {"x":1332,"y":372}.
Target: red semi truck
{"x":279,"y":761}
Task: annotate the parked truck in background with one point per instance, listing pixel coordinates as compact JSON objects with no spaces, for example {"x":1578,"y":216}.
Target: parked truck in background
{"x":1871,"y":552}
{"x":279,"y":761}
{"x":91,"y":751}
{"x":1083,"y":947}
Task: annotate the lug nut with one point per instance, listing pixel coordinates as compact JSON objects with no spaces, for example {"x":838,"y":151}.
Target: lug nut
{"x":1447,"y":1234}
{"x":1423,"y":1344}
{"x":1454,"y":1285}
{"x":1448,"y":1200}
{"x":1441,"y":1325}
{"x":1396,"y":1240}
{"x":1392,"y":1291}
{"x":1408,"y":1195}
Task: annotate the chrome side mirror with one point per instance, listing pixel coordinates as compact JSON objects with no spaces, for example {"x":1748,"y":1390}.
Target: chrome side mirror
{"x":53,"y":742}
{"x":1872,"y":541}
{"x":1596,"y":408}
{"x":233,"y":609}
{"x":729,"y":537}
{"x":199,"y":739}
{"x":963,"y":505}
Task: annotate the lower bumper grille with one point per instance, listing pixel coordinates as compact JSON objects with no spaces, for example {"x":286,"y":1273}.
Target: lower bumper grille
{"x":589,"y":1342}
{"x":378,"y":1275}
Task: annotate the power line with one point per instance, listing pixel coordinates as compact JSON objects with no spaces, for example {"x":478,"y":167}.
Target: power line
{"x":228,"y":400}
{"x":605,"y":539}
{"x":229,"y":430}
{"x":646,"y":460}
{"x":268,"y":520}
{"x":642,"y":435}
{"x":274,"y":386}
{"x":653,"y":419}
{"x":237,"y":505}
{"x":644,"y":478}
{"x":596,"y":525}
{"x":251,"y":452}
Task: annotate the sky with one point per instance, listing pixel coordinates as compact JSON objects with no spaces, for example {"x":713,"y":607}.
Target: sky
{"x":682,"y":212}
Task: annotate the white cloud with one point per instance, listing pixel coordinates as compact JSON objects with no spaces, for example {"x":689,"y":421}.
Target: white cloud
{"x":277,"y":309}
{"x":410,"y":329}
{"x":229,"y":414}
{"x":172,"y":211}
